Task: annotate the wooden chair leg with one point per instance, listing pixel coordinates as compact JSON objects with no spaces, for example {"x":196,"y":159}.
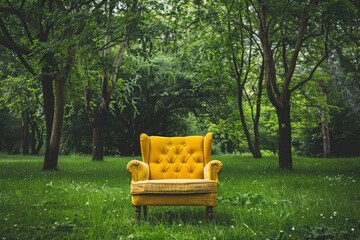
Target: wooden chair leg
{"x":145,"y":212}
{"x":138,"y":212}
{"x":209,"y":212}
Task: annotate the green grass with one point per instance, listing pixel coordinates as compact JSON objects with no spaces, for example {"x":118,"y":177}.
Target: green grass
{"x":319,"y":199}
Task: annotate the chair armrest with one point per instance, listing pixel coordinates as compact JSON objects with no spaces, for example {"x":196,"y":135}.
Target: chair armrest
{"x":212,"y":170}
{"x":139,"y":170}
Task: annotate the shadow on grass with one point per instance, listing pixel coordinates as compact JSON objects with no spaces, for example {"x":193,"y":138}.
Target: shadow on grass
{"x":183,"y":215}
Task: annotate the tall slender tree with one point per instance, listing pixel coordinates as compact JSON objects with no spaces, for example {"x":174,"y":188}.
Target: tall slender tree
{"x":244,"y":57}
{"x":120,"y":22}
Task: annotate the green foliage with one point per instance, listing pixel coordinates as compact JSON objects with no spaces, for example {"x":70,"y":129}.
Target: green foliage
{"x":241,"y":199}
{"x":345,"y":133}
{"x":10,"y":132}
{"x":77,"y":131}
{"x":179,"y":62}
{"x":228,"y":133}
{"x":155,"y":99}
{"x":21,"y":94}
{"x":323,"y":232}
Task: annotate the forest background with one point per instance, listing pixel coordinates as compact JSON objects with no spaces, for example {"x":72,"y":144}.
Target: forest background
{"x":264,"y":76}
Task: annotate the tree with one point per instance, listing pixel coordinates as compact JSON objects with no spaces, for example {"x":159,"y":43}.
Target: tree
{"x":41,"y":34}
{"x":244,"y":58}
{"x":313,"y":102}
{"x":156,"y":98}
{"x":21,"y":96}
{"x":283,"y":36}
{"x":99,"y":115}
{"x":223,"y":39}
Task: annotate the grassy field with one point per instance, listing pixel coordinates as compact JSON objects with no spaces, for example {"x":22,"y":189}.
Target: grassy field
{"x":319,"y":199}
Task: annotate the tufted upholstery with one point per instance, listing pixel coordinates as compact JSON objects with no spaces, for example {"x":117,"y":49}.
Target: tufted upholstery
{"x":175,"y":171}
{"x":176,"y":157}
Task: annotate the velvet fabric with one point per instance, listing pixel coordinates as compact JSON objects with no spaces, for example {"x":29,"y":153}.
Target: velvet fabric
{"x":175,"y":171}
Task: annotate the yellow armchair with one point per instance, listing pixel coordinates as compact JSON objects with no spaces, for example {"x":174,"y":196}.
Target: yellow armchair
{"x":174,"y":171}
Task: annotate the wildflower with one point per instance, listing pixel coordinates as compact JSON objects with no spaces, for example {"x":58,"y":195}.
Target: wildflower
{"x":334,"y":213}
{"x":293,"y":228}
{"x":352,"y":229}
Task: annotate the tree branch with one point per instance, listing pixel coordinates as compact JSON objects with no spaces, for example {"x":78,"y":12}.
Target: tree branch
{"x":8,"y":41}
{"x":323,"y":58}
{"x":21,"y":15}
{"x":299,"y":40}
{"x":269,"y":64}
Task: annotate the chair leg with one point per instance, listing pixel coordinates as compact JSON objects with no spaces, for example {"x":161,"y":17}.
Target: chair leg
{"x":145,"y":212}
{"x":138,"y":212}
{"x":209,"y":212}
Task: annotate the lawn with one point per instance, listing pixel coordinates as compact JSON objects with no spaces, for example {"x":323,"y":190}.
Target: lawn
{"x":319,"y":199}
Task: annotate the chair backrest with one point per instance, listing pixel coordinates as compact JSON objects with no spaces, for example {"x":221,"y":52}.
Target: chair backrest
{"x":176,"y":157}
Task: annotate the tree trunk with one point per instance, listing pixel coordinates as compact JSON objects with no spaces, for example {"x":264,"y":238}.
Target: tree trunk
{"x":99,"y":120}
{"x":284,"y":121}
{"x":52,"y":147}
{"x":25,"y":132}
{"x":254,"y":146}
{"x":257,"y":149}
{"x":33,"y":138}
{"x":325,"y":128}
{"x":254,"y":149}
{"x":48,"y":93}
{"x":98,"y":137}
{"x":256,"y":119}
{"x":326,"y":138}
{"x":36,"y":138}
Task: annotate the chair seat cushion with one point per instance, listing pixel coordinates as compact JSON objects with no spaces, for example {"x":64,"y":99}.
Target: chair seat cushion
{"x":174,"y":186}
